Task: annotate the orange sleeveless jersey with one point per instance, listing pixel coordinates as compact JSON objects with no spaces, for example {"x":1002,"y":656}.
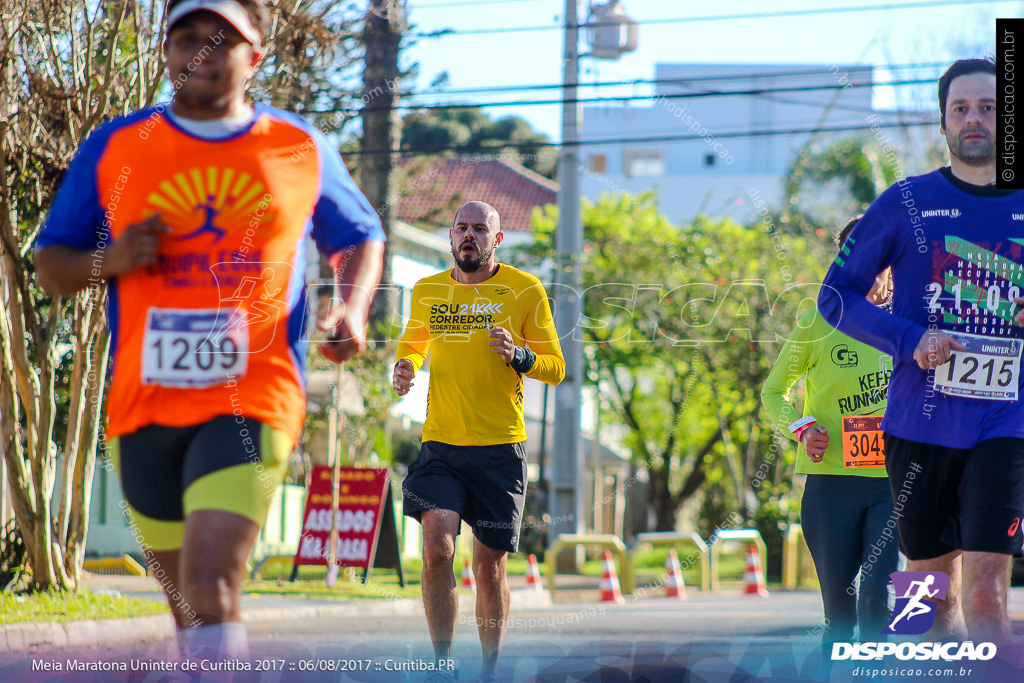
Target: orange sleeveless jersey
{"x":215,"y":326}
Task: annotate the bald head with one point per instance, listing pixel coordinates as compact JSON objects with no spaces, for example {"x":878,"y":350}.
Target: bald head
{"x":475,"y":234}
{"x":478,"y":212}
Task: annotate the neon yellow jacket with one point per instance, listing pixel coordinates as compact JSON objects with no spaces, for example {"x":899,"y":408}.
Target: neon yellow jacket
{"x":845,"y":377}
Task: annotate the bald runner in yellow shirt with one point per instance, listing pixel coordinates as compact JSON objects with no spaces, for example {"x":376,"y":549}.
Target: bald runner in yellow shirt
{"x":486,"y":326}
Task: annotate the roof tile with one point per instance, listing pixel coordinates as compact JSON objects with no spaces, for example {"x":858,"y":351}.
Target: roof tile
{"x":429,"y":196}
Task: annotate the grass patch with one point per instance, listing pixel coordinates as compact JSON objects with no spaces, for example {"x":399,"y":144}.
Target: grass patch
{"x":344,"y":589}
{"x":81,"y":605}
{"x":311,"y":582}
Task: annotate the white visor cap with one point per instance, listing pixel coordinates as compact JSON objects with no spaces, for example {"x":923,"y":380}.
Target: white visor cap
{"x":230,"y":10}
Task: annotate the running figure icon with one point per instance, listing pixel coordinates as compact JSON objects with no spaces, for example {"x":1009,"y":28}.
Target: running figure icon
{"x":207,"y":225}
{"x":915,"y":606}
{"x":912,"y":589}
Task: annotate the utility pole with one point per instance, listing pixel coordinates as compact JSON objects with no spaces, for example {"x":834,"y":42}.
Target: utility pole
{"x":567,"y":459}
{"x":382,"y":38}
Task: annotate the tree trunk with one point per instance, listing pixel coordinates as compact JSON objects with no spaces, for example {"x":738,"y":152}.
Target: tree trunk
{"x":385,"y":23}
{"x":85,"y":463}
{"x":55,"y":85}
{"x":80,"y":370}
{"x":662,"y":502}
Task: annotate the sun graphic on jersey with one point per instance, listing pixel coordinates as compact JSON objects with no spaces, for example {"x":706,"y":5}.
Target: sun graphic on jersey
{"x":210,"y":202}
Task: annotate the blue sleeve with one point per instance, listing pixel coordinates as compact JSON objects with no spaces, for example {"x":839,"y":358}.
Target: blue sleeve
{"x":76,"y":216}
{"x":873,"y":246}
{"x":342,"y":216}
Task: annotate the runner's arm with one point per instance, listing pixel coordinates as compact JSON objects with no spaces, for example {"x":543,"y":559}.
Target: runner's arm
{"x":357,"y":273}
{"x":541,"y":338}
{"x":346,"y":227}
{"x":65,"y":269}
{"x":416,"y":339}
{"x":70,"y":247}
{"x":777,"y":392}
{"x":872,"y":246}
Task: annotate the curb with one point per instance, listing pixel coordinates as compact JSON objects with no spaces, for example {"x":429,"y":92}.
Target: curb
{"x":22,"y":637}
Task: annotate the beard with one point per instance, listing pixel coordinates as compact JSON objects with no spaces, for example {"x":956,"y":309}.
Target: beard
{"x":472,"y":262}
{"x":976,"y":152}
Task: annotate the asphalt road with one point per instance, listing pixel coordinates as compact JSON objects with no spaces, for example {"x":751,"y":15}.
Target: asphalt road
{"x":724,"y":638}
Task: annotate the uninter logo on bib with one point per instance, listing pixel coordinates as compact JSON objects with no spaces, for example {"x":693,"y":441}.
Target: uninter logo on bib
{"x":913,"y":614}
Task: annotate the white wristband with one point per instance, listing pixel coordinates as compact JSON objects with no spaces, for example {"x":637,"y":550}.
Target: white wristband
{"x":803,"y":423}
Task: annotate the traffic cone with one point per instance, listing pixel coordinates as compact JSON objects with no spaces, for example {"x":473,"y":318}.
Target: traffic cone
{"x":610,"y":591}
{"x":675,"y":587}
{"x":754,"y":577}
{"x":533,"y":574}
{"x":468,"y":580}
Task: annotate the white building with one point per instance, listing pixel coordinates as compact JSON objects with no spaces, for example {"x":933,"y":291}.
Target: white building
{"x":713,"y":170}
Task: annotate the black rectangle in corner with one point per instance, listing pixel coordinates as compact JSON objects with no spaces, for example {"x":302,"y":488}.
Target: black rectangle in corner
{"x":1009,"y":110}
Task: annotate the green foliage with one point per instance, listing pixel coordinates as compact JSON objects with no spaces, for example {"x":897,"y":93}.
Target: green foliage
{"x":777,"y":510}
{"x":12,"y":555}
{"x":468,"y":130}
{"x":831,"y":182}
{"x":716,"y":504}
{"x":681,"y":330}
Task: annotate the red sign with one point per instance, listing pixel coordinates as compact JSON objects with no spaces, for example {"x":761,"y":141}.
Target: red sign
{"x":361,"y":496}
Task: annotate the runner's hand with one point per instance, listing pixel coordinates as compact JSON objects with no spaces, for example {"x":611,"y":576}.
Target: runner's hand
{"x":815,"y":440}
{"x":348,"y":333}
{"x":933,"y":349}
{"x":1019,"y":318}
{"x":401,"y":380}
{"x":137,"y":247}
{"x":501,"y":343}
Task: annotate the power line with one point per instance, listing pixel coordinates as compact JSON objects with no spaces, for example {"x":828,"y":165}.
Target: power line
{"x":626,"y":98}
{"x":640,"y":140}
{"x":678,"y":81}
{"x":721,"y":17}
{"x":472,"y":3}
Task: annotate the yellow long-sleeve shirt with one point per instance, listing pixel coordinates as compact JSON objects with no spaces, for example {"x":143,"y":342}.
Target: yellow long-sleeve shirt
{"x":474,"y":397}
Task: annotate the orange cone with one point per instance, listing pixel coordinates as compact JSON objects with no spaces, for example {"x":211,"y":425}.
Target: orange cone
{"x":468,"y":580}
{"x":675,"y":587}
{"x":610,"y":591}
{"x":754,"y":577}
{"x":533,"y":574}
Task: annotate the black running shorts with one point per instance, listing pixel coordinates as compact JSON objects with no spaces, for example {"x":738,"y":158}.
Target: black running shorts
{"x":950,"y":499}
{"x":485,"y":485}
{"x":233,"y":464}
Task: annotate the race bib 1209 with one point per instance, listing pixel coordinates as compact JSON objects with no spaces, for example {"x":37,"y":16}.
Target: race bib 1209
{"x":194,"y":348}
{"x":989,"y":368}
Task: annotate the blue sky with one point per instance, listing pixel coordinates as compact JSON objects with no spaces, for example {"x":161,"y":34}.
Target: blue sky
{"x":925,"y":34}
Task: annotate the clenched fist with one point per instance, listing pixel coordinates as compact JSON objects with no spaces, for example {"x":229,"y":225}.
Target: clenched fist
{"x":137,"y":247}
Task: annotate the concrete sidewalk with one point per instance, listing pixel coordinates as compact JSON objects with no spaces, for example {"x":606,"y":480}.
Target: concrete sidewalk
{"x":28,"y":636}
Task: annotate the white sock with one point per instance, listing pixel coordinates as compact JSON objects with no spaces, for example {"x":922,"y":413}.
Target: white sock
{"x":227,"y":640}
{"x":181,"y":638}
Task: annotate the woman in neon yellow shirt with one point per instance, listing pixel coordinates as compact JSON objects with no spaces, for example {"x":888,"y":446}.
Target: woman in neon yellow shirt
{"x":847,"y":509}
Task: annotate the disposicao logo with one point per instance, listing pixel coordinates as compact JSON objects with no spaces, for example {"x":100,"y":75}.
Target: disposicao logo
{"x":914,"y":615}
